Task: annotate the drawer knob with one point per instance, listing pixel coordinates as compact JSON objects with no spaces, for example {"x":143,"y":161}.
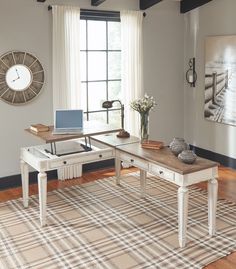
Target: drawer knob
{"x":100,"y":155}
{"x":132,"y":160}
{"x":64,"y":162}
{"x":160,"y":172}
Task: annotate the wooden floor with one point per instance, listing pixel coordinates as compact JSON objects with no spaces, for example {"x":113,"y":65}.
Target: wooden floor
{"x":227,"y":190}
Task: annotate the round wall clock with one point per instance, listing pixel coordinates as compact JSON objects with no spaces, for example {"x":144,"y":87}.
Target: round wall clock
{"x":21,"y":77}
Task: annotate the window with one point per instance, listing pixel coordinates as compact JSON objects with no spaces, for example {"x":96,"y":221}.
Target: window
{"x":100,"y":67}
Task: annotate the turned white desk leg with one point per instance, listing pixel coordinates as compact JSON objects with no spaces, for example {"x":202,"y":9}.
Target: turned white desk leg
{"x":182,"y":214}
{"x":25,"y":182}
{"x":117,"y":168}
{"x":42,"y":186}
{"x":212,"y":202}
{"x":143,"y":176}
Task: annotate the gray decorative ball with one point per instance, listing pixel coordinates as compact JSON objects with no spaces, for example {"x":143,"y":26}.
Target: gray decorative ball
{"x":178,"y":145}
{"x":187,"y":156}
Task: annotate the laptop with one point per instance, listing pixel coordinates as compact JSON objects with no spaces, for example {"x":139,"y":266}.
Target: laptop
{"x":68,"y":121}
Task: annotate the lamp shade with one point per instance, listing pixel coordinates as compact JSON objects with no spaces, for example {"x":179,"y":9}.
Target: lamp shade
{"x":107,"y":104}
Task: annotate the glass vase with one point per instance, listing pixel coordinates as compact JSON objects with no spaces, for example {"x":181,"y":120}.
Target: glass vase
{"x":144,"y":127}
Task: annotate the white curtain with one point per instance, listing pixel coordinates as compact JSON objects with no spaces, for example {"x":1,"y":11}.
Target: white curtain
{"x":132,"y":65}
{"x":66,"y":57}
{"x":66,"y":68}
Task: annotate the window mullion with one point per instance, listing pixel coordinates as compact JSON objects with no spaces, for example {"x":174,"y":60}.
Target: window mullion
{"x":87,"y":95}
{"x":107,"y":67}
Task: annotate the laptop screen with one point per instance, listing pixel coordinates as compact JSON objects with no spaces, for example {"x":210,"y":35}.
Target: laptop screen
{"x":69,"y":119}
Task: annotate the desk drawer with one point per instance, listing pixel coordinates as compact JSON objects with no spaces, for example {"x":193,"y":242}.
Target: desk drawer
{"x":81,"y":158}
{"x":162,"y":172}
{"x":135,"y":161}
{"x":99,"y":155}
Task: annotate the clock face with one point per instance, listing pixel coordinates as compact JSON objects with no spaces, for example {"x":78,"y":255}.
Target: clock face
{"x":18,"y":77}
{"x":21,"y":77}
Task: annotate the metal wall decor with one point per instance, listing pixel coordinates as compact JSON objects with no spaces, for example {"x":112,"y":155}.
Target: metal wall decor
{"x":21,"y":77}
{"x":191,"y":75}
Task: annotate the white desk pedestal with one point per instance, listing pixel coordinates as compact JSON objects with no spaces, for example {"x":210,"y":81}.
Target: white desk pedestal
{"x":40,"y":159}
{"x":166,"y":166}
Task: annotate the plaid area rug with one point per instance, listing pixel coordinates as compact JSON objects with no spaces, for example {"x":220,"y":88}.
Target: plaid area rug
{"x":101,"y":225}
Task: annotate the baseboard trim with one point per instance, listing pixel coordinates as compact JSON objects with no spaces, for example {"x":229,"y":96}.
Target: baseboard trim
{"x":15,"y":180}
{"x":222,"y":159}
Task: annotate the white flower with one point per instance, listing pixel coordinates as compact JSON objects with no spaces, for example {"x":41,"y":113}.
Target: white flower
{"x":144,"y":104}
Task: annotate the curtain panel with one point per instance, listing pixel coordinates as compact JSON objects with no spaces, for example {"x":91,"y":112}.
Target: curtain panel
{"x":66,"y":57}
{"x":132,"y":65}
{"x":66,"y":68}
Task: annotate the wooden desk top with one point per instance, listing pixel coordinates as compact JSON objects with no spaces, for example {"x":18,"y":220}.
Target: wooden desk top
{"x":90,"y":128}
{"x":112,"y":140}
{"x":165,"y":158}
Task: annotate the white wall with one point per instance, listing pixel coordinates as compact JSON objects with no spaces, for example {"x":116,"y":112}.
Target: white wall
{"x":26,"y":25}
{"x":215,"y":18}
{"x":163,"y":69}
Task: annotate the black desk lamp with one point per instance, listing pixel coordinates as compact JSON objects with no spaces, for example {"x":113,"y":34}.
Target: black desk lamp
{"x":109,"y":104}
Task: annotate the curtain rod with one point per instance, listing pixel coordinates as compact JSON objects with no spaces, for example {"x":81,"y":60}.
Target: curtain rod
{"x":50,"y":8}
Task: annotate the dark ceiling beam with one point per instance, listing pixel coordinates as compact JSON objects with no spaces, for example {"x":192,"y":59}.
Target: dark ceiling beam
{"x":187,"y":5}
{"x":144,"y":4}
{"x":42,"y":1}
{"x":97,"y":2}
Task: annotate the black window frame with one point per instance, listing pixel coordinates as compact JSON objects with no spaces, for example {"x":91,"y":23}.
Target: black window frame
{"x":107,"y":16}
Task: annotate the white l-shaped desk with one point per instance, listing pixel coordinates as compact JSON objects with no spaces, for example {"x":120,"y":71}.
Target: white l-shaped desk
{"x":161,"y":163}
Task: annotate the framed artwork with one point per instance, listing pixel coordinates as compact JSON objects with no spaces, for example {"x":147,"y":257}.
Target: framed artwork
{"x":220,"y":79}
